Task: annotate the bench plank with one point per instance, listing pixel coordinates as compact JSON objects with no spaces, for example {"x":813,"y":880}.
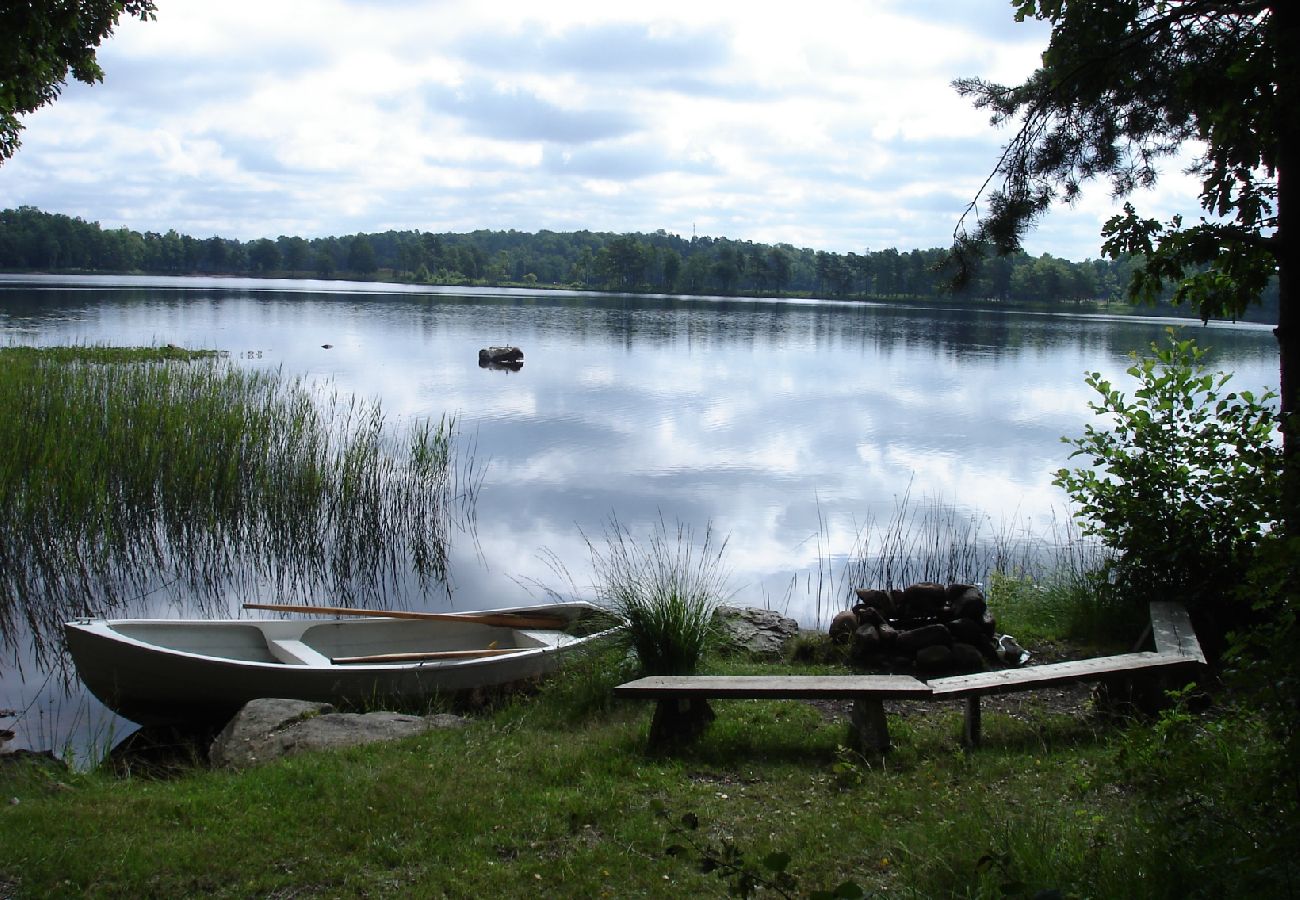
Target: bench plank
{"x":775,"y":687}
{"x":1171,"y":629}
{"x":1005,"y":680}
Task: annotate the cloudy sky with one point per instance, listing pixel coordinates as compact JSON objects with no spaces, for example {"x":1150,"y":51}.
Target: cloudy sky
{"x":822,"y":124}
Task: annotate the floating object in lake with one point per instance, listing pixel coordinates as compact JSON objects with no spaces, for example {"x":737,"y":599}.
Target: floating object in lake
{"x":160,"y":670}
{"x":501,"y":357}
{"x":327,"y":346}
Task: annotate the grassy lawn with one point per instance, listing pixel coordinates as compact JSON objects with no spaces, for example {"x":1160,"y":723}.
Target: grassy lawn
{"x":556,"y":794}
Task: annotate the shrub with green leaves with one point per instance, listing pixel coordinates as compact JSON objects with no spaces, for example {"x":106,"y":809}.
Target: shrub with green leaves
{"x":666,"y":588}
{"x":1182,"y":481}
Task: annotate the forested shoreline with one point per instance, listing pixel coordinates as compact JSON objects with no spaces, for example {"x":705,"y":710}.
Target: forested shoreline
{"x":659,"y":262}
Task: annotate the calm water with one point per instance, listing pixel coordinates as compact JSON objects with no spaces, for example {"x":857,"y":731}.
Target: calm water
{"x":790,"y":426}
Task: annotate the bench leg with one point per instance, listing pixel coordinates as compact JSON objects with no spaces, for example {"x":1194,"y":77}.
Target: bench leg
{"x":679,"y":719}
{"x":870,"y":731}
{"x":971,"y":728}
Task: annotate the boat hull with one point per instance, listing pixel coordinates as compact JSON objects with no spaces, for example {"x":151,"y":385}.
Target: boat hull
{"x":156,"y":671}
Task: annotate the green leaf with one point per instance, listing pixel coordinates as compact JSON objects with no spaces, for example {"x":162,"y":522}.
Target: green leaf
{"x":776,"y":861}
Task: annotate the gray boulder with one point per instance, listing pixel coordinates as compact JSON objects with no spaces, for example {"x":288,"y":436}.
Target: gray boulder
{"x":758,"y":632}
{"x":270,"y":729}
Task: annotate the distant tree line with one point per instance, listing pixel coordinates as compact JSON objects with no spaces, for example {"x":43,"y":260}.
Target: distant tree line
{"x":33,"y":240}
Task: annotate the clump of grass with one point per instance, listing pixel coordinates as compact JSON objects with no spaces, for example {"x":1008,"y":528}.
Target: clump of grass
{"x":666,"y":588}
{"x":1063,"y":605}
{"x":129,"y":471}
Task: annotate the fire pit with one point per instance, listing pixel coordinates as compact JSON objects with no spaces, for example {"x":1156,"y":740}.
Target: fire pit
{"x":925,"y":628}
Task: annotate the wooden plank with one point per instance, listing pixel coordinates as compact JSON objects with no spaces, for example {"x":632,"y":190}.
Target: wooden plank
{"x":971,"y":725}
{"x":296,"y":653}
{"x":775,"y":687}
{"x":423,"y":655}
{"x":870,"y":730}
{"x":1006,"y":680}
{"x":541,"y":622}
{"x":1171,"y":629}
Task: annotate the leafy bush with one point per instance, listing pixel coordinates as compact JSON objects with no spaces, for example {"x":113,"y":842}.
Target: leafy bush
{"x":666,"y":589}
{"x":1182,"y":482}
{"x":1218,"y":799}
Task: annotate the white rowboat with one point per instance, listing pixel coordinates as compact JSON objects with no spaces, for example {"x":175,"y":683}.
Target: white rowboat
{"x":168,"y":670}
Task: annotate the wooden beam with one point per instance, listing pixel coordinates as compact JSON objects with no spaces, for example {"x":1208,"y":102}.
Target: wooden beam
{"x":1171,"y":629}
{"x":1007,"y":680}
{"x":971,"y":724}
{"x":422,"y":655}
{"x":775,"y":687}
{"x":870,"y":730}
{"x":541,"y":622}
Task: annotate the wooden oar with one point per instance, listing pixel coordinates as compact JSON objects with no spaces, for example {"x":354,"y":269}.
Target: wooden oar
{"x":505,"y":620}
{"x":424,"y":655}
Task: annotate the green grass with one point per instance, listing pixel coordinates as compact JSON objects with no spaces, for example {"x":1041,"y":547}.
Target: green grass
{"x":129,"y":471}
{"x":557,"y":795}
{"x":1064,"y":606}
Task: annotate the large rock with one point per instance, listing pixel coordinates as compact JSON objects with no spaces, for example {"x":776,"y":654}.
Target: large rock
{"x":926,"y":636}
{"x":758,"y":632}
{"x":843,"y":626}
{"x":924,"y":600}
{"x":269,"y":729}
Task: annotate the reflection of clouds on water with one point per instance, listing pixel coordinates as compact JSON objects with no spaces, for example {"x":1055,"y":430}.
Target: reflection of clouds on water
{"x":794,"y":429}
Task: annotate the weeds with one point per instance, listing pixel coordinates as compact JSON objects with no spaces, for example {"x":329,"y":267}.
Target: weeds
{"x":131,"y":471}
{"x":746,"y":874}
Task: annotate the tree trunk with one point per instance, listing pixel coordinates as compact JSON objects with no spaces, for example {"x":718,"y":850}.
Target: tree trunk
{"x":1286,"y":22}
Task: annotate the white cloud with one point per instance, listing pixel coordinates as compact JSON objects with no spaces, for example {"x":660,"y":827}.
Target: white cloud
{"x":833,"y":125}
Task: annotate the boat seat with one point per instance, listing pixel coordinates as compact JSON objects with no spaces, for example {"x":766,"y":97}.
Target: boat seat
{"x":296,"y":653}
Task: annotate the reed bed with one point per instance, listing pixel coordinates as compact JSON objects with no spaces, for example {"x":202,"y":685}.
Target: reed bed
{"x":1051,"y":573}
{"x":131,"y":471}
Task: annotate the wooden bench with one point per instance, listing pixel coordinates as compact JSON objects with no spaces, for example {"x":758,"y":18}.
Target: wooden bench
{"x":682,"y":710}
{"x":1176,"y":651}
{"x":1172,"y":633}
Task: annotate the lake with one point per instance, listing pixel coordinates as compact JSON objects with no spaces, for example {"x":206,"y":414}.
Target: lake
{"x":794,"y":428}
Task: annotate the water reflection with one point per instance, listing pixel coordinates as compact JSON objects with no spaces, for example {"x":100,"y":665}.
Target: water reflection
{"x":792,"y":427}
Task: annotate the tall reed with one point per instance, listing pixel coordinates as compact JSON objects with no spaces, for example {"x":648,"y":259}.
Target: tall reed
{"x":666,"y":588}
{"x":130,"y":471}
{"x":1044,"y":581}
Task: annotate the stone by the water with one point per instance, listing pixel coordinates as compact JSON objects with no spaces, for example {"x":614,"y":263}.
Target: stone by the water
{"x":273,"y":728}
{"x":761,"y":633}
